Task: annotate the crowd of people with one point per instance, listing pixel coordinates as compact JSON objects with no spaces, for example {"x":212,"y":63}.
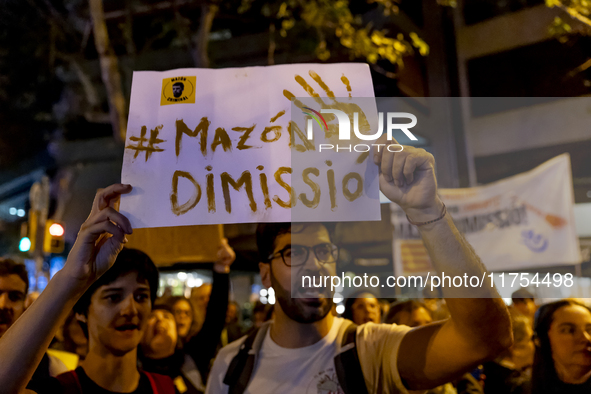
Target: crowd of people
{"x":102,"y":306}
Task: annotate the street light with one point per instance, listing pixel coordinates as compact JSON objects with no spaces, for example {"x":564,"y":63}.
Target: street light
{"x":56,"y":230}
{"x":54,"y":241}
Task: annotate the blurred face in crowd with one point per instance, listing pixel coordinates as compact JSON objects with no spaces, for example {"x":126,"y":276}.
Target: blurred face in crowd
{"x":570,"y":338}
{"x":311,"y":304}
{"x":417,"y":318}
{"x":527,"y":307}
{"x":366,"y":310}
{"x":12,"y":300}
{"x":118,"y":314}
{"x":160,"y":337}
{"x":183,"y":316}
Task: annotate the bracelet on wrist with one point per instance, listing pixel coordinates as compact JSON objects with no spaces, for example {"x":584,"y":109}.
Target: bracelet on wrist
{"x":441,"y":216}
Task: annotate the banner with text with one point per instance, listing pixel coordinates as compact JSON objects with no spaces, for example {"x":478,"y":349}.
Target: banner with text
{"x":525,"y":221}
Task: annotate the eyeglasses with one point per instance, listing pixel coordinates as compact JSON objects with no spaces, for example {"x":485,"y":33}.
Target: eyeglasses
{"x":297,"y":255}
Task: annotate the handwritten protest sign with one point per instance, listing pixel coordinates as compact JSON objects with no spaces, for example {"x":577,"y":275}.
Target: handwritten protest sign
{"x":210,"y":146}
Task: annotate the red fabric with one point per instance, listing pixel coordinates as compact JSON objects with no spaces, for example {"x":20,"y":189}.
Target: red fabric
{"x":161,"y":384}
{"x":70,"y":382}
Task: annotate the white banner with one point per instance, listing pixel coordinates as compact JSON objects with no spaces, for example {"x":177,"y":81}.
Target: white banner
{"x":211,"y":146}
{"x":525,"y":221}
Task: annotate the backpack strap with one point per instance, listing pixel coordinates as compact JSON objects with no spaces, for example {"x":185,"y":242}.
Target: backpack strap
{"x":161,"y":384}
{"x":347,"y":364}
{"x":242,"y":365}
{"x":70,"y":382}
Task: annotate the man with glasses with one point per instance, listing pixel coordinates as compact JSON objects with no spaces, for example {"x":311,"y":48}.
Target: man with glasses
{"x":305,"y":349}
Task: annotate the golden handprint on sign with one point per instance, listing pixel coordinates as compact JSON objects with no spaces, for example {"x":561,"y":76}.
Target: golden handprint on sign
{"x":332,"y":130}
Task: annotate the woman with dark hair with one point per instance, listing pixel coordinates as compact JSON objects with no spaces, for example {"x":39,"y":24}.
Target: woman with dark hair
{"x":363,"y":307}
{"x":562,"y":362}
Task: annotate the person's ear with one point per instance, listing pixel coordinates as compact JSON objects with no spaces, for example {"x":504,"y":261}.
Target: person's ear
{"x":537,"y":341}
{"x":265,"y":271}
{"x":81,"y":318}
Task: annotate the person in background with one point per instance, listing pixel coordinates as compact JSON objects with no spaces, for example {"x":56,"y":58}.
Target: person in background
{"x":188,"y":319}
{"x":410,"y":313}
{"x":363,"y":307}
{"x":562,"y":361}
{"x":159,"y":352}
{"x":14,"y":285}
{"x":522,"y":302}
{"x":188,"y":362}
{"x":510,"y":373}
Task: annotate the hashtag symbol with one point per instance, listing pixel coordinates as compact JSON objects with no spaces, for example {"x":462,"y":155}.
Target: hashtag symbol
{"x":149,"y":148}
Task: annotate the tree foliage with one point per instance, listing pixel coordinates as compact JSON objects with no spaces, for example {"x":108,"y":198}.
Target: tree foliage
{"x":579,"y":10}
{"x":335,"y":24}
{"x":50,"y":82}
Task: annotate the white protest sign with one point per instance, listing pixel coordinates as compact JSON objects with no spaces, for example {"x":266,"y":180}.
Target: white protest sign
{"x":208,"y":146}
{"x":525,"y":221}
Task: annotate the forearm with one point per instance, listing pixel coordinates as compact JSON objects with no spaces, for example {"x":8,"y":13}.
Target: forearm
{"x":476,"y":312}
{"x":24,"y":344}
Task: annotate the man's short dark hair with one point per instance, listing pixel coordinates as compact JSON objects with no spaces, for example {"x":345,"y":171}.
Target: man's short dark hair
{"x":11,"y":267}
{"x":128,"y":260}
{"x":182,"y":85}
{"x":267,"y":233}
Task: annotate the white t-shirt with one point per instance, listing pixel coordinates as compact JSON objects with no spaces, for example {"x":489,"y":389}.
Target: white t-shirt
{"x":311,"y":370}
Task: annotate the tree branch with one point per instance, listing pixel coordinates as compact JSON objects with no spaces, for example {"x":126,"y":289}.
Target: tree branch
{"x":109,"y":70}
{"x":201,"y":38}
{"x":572,"y":12}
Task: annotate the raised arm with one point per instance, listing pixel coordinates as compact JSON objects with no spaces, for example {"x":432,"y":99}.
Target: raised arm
{"x":479,"y":328}
{"x":99,"y":241}
{"x":203,"y":345}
